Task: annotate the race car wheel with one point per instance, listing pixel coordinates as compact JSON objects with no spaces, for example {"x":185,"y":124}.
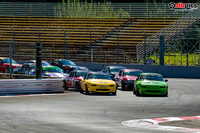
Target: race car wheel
{"x":65,"y":86}
{"x":137,"y":93}
{"x":115,"y":93}
{"x":80,"y":90}
{"x":133,"y":89}
{"x":77,"y":87}
{"x":123,"y":86}
{"x":166,"y":95}
{"x":86,"y":90}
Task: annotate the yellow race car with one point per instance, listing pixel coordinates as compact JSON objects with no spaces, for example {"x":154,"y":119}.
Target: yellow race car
{"x":98,"y":82}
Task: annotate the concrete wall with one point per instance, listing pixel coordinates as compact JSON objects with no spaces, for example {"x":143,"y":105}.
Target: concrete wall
{"x":166,"y":71}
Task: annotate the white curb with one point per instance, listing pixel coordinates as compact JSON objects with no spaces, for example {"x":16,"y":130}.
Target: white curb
{"x":154,"y":123}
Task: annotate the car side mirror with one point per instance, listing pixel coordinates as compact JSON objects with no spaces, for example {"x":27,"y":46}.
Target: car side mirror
{"x":166,"y":80}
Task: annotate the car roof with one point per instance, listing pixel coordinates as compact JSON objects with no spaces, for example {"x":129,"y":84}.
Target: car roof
{"x":80,"y":71}
{"x":101,"y":73}
{"x":116,"y":66}
{"x":34,"y":61}
{"x":151,"y":74}
{"x":50,"y":66}
{"x":132,"y":70}
{"x":62,"y":60}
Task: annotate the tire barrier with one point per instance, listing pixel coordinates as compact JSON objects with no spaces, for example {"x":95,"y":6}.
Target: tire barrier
{"x":19,"y":86}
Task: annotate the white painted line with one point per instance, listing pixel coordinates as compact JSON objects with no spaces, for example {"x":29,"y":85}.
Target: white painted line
{"x":32,"y":95}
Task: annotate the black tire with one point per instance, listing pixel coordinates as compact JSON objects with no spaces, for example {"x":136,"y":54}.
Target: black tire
{"x":80,"y":90}
{"x":77,"y":87}
{"x":86,"y":90}
{"x":166,"y":95}
{"x":134,"y":90}
{"x":114,"y":93}
{"x":123,"y":86}
{"x":137,"y":93}
{"x":130,"y":87}
{"x":65,"y":85}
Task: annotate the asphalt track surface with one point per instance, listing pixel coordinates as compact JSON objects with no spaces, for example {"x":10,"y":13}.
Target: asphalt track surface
{"x":98,"y":113}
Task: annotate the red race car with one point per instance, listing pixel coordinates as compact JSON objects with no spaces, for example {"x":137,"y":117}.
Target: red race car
{"x":74,"y":78}
{"x":126,"y":78}
{"x":5,"y":64}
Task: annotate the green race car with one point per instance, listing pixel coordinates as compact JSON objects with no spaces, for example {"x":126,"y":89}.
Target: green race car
{"x":150,"y":83}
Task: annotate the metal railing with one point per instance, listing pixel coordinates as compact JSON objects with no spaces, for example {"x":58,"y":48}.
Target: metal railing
{"x":30,"y":85}
{"x":89,"y":10}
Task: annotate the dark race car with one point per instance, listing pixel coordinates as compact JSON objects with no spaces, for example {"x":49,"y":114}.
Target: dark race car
{"x":28,"y":66}
{"x":74,"y":78}
{"x":113,"y":70}
{"x":65,"y":65}
{"x":126,"y":77}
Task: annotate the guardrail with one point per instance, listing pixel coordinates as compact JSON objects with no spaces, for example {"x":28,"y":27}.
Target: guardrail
{"x":31,"y":86}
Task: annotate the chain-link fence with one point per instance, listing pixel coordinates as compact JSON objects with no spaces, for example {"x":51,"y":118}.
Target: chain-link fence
{"x":181,"y":43}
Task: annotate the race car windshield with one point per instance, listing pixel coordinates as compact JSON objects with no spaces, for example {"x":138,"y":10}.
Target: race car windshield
{"x":8,"y":61}
{"x":152,"y":77}
{"x":132,"y":73}
{"x":51,"y":70}
{"x":80,"y":74}
{"x":65,"y":62}
{"x":116,"y":70}
{"x":98,"y":76}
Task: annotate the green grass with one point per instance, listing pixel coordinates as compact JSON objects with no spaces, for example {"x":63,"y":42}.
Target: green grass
{"x":178,"y":59}
{"x":77,"y":9}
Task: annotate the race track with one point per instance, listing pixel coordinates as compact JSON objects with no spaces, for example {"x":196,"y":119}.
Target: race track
{"x":77,"y":113}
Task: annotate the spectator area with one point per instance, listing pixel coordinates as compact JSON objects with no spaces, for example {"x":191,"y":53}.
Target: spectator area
{"x":104,"y":37}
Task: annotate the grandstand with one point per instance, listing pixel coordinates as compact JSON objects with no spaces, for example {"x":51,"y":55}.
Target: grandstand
{"x":132,"y":34}
{"x":104,"y":37}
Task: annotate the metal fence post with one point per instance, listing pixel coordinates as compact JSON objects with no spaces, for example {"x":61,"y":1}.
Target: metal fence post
{"x":144,"y":46}
{"x":162,"y":50}
{"x":91,"y":50}
{"x":38,"y":33}
{"x":13,"y":41}
{"x":65,"y":45}
{"x":38,"y":60}
{"x":10,"y":59}
{"x":187,"y":47}
{"x":150,"y":47}
{"x":117,"y":47}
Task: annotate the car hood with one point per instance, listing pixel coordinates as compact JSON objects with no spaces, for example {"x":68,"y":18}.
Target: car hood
{"x":67,"y":65}
{"x":78,"y":78}
{"x":59,"y":75}
{"x":130,"y":77}
{"x":152,"y":82}
{"x":100,"y":81}
{"x":13,"y":64}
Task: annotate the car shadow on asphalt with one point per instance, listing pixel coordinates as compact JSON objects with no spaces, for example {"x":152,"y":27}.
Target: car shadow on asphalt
{"x":100,"y":94}
{"x":152,"y":96}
